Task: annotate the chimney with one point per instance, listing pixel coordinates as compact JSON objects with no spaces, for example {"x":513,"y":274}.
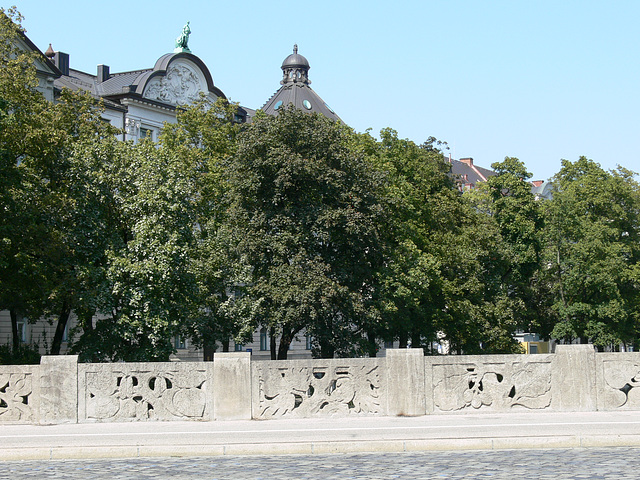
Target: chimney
{"x":103,"y":73}
{"x":537,"y":183}
{"x":467,"y":161}
{"x":61,"y":60}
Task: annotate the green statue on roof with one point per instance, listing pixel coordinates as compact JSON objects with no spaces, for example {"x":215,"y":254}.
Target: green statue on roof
{"x":183,"y":40}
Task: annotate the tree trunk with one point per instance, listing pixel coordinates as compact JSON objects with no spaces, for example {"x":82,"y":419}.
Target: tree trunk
{"x":372,"y":347}
{"x":60,"y":328}
{"x":285,"y":342}
{"x":14,"y":329}
{"x":327,"y":350}
{"x":85,"y":319}
{"x":208,"y":353}
{"x":403,"y":339}
{"x":225,"y":345}
{"x":416,"y":339}
{"x":272,"y":343}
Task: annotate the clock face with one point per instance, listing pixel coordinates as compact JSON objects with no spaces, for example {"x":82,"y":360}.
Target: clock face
{"x":307,"y":104}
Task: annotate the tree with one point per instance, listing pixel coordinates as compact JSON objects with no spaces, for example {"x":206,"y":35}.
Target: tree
{"x":520,"y":227}
{"x":593,"y":253}
{"x":151,"y":287}
{"x":205,"y":137}
{"x":304,"y":218}
{"x":419,"y":198}
{"x":44,"y":224}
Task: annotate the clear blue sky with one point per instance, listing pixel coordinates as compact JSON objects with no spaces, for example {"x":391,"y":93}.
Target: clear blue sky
{"x":539,"y":80}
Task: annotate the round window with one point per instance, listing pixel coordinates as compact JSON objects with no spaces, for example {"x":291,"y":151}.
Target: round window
{"x":307,"y":104}
{"x":277,"y":105}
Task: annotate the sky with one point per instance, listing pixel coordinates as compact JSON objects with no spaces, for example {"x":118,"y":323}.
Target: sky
{"x":539,"y":80}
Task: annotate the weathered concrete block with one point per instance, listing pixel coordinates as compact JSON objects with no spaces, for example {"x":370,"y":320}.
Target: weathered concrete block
{"x":232,"y":386}
{"x":59,"y":389}
{"x":19,"y":393}
{"x":117,"y":392}
{"x":497,"y":383}
{"x":618,"y":381}
{"x":405,"y":375}
{"x":327,"y":387}
{"x":573,"y":378}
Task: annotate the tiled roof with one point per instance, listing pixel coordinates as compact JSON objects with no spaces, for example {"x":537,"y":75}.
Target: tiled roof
{"x":469,"y":173}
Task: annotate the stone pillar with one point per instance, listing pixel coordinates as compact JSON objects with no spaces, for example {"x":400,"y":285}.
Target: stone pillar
{"x":59,"y":389}
{"x":573,"y":378}
{"x":232,"y":386}
{"x":405,"y":382}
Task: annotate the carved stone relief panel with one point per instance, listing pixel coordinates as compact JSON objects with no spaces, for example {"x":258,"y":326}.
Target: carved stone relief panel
{"x":292,"y":389}
{"x":621,"y":384}
{"x":494,"y":386}
{"x":16,"y":397}
{"x":160,"y":391}
{"x":180,"y":86}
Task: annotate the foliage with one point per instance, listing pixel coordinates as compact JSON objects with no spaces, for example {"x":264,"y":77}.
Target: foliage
{"x":204,"y":137}
{"x":594,"y":253}
{"x":23,"y":355}
{"x":305,"y":217}
{"x":295,"y":224}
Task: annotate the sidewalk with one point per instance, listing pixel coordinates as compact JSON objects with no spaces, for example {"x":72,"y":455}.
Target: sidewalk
{"x":321,"y":435}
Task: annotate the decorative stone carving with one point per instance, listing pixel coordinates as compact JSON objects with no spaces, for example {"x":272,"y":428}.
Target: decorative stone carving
{"x":118,"y":392}
{"x":132,"y":127}
{"x":180,"y":86}
{"x":496,"y":386}
{"x":622,"y":384}
{"x":305,"y":390}
{"x":15,"y":397}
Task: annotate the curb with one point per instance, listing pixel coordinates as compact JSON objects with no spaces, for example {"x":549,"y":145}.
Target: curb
{"x":321,"y":448}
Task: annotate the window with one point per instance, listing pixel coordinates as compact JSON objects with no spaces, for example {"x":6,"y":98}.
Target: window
{"x":309,"y":342}
{"x":388,"y":344}
{"x":264,"y":340}
{"x":22,"y":330}
{"x":238,"y":347}
{"x":146,"y":133}
{"x":180,"y":343}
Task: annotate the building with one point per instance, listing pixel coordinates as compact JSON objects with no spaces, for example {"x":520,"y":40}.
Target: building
{"x":467,"y":174}
{"x":139,"y":102}
{"x":296,"y":90}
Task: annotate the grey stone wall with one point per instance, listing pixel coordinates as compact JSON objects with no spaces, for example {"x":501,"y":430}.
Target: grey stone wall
{"x":575,"y":378}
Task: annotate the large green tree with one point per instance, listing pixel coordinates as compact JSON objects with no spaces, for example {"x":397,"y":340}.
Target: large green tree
{"x":149,"y":285}
{"x":205,"y":137}
{"x":46,"y":238}
{"x":594,"y":253}
{"x":421,"y":202}
{"x":304,"y":217}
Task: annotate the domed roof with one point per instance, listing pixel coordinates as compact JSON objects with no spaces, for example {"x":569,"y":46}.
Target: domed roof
{"x":296,"y":91}
{"x":295,"y":60}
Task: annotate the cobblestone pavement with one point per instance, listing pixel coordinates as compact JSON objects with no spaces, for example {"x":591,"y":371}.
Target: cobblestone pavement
{"x":572,"y":464}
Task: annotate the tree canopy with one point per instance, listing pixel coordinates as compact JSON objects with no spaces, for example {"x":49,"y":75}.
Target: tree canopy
{"x":296,"y":225}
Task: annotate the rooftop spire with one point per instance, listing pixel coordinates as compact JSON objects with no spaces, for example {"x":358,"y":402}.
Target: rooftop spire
{"x":50,"y":53}
{"x":295,"y":68}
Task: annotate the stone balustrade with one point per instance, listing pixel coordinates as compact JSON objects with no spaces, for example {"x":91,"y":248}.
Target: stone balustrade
{"x":61,"y":390}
